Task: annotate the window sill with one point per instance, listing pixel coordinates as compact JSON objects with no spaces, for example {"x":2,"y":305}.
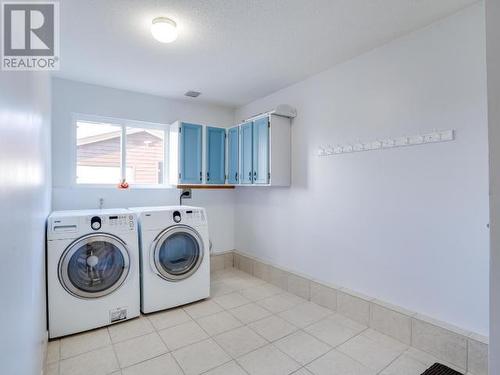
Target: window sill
{"x":131,"y":187}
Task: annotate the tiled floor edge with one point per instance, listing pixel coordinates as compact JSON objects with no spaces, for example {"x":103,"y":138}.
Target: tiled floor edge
{"x":215,"y":253}
{"x":221,"y":260}
{"x":361,"y":308}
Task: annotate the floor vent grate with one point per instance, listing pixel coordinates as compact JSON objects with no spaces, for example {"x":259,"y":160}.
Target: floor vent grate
{"x":439,"y":369}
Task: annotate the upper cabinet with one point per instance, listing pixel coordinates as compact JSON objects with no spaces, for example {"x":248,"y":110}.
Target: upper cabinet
{"x":215,"y":155}
{"x":264,"y":152}
{"x":255,"y":153}
{"x":185,"y":150}
{"x":233,"y":155}
{"x":261,"y":149}
{"x":190,"y":153}
{"x":197,"y":154}
{"x":246,"y":153}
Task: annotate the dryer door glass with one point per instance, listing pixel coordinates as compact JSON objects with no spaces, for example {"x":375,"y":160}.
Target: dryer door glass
{"x":94,"y":266}
{"x":178,"y":253}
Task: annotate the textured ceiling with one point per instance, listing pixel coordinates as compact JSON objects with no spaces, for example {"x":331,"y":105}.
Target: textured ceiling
{"x":233,"y":51}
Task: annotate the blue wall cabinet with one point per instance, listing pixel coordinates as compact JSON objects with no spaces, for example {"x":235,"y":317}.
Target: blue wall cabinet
{"x":190,"y":153}
{"x":233,"y":155}
{"x":246,"y":152}
{"x":258,"y":152}
{"x":260,"y":165}
{"x":215,"y":155}
{"x":265,"y":151}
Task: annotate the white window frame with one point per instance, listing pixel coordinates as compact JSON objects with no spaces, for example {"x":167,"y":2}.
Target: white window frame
{"x":124,"y":124}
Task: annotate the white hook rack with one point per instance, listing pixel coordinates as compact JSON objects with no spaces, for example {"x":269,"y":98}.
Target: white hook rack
{"x":380,"y":144}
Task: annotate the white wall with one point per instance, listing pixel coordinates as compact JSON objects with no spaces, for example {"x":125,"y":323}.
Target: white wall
{"x":25,"y":203}
{"x":409,"y":225}
{"x":74,"y":97}
{"x":493,"y":64}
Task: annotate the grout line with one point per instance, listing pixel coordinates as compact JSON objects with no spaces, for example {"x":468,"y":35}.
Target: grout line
{"x":177,"y":363}
{"x":390,"y":363}
{"x":114,"y":351}
{"x":86,"y":351}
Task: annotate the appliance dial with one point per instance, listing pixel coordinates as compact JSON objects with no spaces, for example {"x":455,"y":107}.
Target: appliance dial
{"x":95,"y":223}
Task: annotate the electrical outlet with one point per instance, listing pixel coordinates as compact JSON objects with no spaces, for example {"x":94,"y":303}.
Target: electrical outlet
{"x":186,"y":193}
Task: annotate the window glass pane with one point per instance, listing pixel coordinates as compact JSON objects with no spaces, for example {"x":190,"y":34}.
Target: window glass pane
{"x":98,"y":153}
{"x":145,"y":154}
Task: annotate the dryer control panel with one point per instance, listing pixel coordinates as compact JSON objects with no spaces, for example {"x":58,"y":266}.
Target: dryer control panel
{"x":159,"y":218}
{"x":195,"y":217}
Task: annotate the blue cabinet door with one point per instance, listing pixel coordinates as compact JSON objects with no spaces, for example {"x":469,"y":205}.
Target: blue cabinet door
{"x":233,"y":159}
{"x":261,"y":151}
{"x":216,"y":150}
{"x":246,"y":172}
{"x":190,"y":153}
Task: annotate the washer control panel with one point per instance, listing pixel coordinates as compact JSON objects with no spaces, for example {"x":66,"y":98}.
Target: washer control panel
{"x":112,"y":222}
{"x":65,"y":224}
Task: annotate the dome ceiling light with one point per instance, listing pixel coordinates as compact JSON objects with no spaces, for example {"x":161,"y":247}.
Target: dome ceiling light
{"x":164,"y":29}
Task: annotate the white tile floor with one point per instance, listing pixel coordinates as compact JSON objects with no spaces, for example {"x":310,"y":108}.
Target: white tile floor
{"x":247,"y":327}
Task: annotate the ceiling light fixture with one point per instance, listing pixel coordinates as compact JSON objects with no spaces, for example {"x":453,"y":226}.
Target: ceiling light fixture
{"x":164,"y":29}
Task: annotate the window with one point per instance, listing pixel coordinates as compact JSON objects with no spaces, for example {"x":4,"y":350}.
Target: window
{"x":145,"y":155}
{"x":108,"y":151}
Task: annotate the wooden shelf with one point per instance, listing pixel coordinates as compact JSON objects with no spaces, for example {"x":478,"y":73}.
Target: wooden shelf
{"x":205,"y":186}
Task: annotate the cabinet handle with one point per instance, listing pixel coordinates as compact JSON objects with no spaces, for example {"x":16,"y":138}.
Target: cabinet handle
{"x":208,"y":176}
{"x":250,"y":175}
{"x":255,"y":175}
{"x":201,"y":176}
{"x":236,"y":176}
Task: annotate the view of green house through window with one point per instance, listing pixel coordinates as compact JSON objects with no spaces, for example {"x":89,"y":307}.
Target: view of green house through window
{"x":104,"y":157}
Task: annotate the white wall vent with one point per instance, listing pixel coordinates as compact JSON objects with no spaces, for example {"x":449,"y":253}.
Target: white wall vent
{"x":192,"y":94}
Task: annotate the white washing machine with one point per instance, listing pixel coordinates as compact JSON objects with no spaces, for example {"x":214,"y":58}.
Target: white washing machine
{"x":175,"y":259}
{"x":92,"y":269}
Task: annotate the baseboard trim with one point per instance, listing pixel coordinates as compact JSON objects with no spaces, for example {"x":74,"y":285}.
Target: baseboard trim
{"x":463,"y":350}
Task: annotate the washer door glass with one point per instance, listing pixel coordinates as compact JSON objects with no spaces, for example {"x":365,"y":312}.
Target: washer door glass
{"x":178,"y":252}
{"x":94,"y":266}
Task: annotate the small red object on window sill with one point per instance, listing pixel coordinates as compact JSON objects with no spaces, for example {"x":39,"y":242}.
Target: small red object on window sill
{"x":123,"y":185}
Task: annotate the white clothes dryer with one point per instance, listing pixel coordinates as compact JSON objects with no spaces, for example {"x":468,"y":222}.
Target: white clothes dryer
{"x":175,"y":259}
